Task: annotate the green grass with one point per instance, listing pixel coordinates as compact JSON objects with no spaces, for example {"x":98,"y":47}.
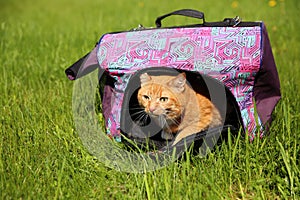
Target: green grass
{"x":42,"y":156}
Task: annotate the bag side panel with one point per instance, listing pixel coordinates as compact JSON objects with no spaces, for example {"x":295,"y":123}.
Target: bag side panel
{"x":267,"y":84}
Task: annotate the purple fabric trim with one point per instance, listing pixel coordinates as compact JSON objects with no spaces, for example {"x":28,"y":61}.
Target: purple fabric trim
{"x":267,"y":86}
{"x":106,"y":103}
{"x":90,"y":60}
{"x":83,"y":66}
{"x":71,"y":77}
{"x":89,"y":64}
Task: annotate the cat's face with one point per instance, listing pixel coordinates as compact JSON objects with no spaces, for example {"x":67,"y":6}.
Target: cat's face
{"x":158,"y":95}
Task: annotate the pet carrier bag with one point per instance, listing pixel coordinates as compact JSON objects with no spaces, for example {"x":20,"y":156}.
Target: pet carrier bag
{"x":229,"y":54}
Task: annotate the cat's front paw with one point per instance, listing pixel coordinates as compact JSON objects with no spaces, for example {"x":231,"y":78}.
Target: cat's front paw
{"x":167,"y":136}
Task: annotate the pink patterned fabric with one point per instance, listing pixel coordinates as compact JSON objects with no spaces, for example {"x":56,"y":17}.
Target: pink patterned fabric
{"x":231,"y":55}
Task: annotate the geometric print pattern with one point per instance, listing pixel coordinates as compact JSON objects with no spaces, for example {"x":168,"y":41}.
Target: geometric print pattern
{"x":231,"y":55}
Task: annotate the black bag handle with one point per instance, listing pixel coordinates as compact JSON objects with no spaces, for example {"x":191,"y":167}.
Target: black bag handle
{"x":184,"y":12}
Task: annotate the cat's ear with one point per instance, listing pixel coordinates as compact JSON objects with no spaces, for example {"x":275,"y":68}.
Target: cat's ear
{"x":144,"y":78}
{"x":178,"y":82}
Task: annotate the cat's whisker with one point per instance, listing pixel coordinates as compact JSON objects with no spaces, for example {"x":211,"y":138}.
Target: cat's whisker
{"x":162,"y":121}
{"x":142,"y":118}
{"x":138,"y":113}
{"x":176,"y":121}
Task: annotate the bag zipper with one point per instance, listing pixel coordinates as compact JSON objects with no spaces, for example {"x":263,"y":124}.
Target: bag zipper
{"x":227,"y":22}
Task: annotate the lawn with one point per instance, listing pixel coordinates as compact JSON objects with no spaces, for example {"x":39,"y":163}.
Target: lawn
{"x":42,"y":156}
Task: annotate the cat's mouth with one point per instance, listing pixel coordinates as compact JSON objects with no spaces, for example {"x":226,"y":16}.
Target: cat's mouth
{"x":168,"y":111}
{"x":167,"y":114}
{"x":155,"y":115}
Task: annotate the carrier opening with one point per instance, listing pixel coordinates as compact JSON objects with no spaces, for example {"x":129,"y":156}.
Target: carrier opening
{"x":146,"y":133}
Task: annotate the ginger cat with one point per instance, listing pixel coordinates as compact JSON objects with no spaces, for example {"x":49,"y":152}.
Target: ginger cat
{"x":175,"y":106}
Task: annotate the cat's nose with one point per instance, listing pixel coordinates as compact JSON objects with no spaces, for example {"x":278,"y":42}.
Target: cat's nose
{"x":151,"y":109}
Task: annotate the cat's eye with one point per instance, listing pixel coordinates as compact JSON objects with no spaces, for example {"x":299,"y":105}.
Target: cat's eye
{"x":146,"y":97}
{"x":163,"y":99}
